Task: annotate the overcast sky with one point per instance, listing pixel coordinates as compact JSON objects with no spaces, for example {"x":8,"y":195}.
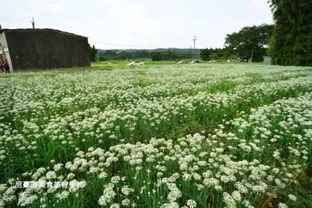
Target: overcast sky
{"x":139,"y":23}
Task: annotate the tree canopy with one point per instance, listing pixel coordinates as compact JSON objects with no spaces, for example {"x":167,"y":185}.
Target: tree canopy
{"x":215,"y":53}
{"x":93,"y":53}
{"x":291,"y":42}
{"x":164,"y":56}
{"x":251,"y":42}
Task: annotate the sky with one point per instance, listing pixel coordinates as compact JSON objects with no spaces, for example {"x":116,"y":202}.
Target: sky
{"x":120,"y":24}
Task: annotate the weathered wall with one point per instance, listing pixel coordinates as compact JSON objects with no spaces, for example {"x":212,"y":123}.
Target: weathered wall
{"x":46,"y":48}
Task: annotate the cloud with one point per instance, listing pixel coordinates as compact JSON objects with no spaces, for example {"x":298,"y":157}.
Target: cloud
{"x":260,"y":4}
{"x":54,"y":7}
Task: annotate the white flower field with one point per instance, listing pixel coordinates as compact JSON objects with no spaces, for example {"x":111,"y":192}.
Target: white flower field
{"x":205,"y":135}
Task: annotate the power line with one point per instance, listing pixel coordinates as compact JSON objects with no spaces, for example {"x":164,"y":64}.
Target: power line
{"x":12,"y":19}
{"x":120,"y":44}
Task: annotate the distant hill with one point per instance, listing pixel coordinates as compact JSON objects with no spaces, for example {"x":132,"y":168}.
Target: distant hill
{"x":114,"y":54}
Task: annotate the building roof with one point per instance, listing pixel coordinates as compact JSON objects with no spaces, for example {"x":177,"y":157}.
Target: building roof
{"x":40,"y":29}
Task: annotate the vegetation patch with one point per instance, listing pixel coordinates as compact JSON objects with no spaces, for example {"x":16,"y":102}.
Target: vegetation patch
{"x":205,"y":135}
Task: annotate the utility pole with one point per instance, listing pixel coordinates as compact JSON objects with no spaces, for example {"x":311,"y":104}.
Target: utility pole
{"x":191,"y":56}
{"x":194,"y":42}
{"x":33,"y":23}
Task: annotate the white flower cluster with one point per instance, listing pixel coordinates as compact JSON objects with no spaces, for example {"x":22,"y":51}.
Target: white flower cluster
{"x":128,"y":137}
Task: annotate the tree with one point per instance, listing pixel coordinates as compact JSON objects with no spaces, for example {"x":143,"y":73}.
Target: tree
{"x":251,"y":42}
{"x":163,"y":56}
{"x":291,"y":42}
{"x":215,"y":53}
{"x":93,"y":53}
{"x":205,"y":54}
{"x":156,"y":56}
{"x":214,"y":56}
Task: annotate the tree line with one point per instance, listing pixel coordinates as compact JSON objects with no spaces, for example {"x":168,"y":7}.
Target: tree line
{"x":155,"y":54}
{"x":248,"y":43}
